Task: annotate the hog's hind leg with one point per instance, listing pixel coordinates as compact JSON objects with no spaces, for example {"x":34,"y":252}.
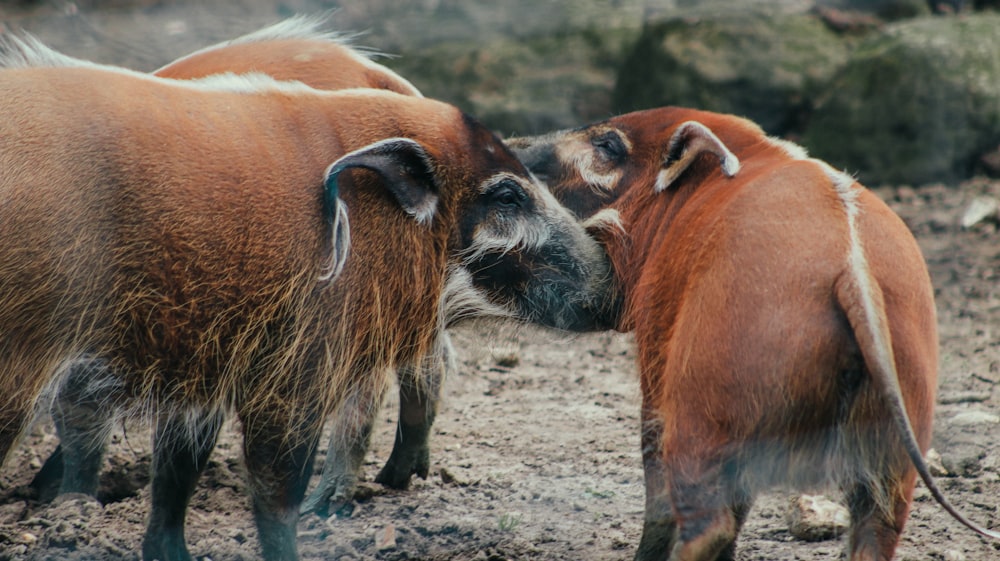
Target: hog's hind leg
{"x":659,"y":526}
{"x":181,"y":448}
{"x":875,"y":533}
{"x":709,"y":502}
{"x":83,"y":410}
{"x":419,"y":389}
{"x":279,"y":458}
{"x":349,"y":440}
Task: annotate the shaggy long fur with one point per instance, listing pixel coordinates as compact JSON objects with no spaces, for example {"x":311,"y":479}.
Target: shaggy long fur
{"x":177,"y":232}
{"x":302,"y":49}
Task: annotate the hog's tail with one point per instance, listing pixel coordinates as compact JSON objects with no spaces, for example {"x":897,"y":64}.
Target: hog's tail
{"x":861,"y":299}
{"x":335,"y":212}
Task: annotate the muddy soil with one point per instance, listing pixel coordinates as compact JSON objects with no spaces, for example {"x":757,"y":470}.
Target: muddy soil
{"x":535,"y":452}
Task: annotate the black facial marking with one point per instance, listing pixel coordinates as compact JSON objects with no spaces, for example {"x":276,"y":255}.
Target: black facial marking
{"x":541,"y":159}
{"x":508,"y":194}
{"x":611,"y":146}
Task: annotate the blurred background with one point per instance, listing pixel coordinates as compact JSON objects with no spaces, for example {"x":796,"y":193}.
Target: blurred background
{"x":895,"y":91}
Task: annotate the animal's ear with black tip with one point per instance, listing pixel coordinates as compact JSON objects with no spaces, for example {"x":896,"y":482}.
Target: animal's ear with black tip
{"x":405,"y":168}
{"x":690,"y":140}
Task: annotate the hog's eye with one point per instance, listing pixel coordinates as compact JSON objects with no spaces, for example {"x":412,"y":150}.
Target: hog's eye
{"x":611,"y":146}
{"x":508,"y":194}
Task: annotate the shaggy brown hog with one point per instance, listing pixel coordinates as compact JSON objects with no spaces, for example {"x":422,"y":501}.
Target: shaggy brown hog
{"x":189,"y":236}
{"x":295,"y":49}
{"x":784,"y":320}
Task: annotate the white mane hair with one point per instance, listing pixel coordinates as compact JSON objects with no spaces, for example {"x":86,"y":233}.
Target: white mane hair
{"x":313,"y":27}
{"x":307,"y":27}
{"x":24,"y":50}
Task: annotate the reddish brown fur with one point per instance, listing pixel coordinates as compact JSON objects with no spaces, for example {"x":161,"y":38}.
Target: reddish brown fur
{"x":177,"y":232}
{"x":327,"y":63}
{"x":233,"y":217}
{"x":755,"y":356}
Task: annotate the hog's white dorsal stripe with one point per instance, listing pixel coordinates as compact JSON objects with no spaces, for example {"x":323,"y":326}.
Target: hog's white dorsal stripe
{"x":844,"y":186}
{"x":26,"y":51}
{"x":254,"y":82}
{"x":793,"y":150}
{"x":300,"y":27}
{"x":309,"y":28}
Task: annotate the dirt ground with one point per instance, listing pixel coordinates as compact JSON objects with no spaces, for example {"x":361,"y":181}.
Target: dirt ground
{"x":535,"y":452}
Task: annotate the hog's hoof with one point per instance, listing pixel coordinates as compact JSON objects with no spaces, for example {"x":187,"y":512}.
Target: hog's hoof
{"x":402,"y":464}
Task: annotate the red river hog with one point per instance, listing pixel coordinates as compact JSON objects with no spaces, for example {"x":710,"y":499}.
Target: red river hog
{"x":242,"y":244}
{"x":295,"y":49}
{"x":784,"y":321}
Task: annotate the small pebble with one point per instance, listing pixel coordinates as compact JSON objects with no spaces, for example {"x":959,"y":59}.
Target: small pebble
{"x":816,"y":518}
{"x":385,"y":538}
{"x":967,"y":418}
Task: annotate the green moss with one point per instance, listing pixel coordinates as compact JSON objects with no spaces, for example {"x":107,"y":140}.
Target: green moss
{"x":917,"y":104}
{"x":762,"y":67}
{"x":525,"y":86}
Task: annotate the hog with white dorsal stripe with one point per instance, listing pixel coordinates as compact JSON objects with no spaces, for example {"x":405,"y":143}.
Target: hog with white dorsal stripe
{"x":296,"y":49}
{"x":193,"y":237}
{"x":784,"y":320}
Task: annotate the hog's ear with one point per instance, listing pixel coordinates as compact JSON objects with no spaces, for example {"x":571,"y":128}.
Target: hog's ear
{"x":689,"y":141}
{"x":405,"y":168}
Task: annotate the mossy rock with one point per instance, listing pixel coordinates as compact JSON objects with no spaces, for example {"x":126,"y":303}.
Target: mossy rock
{"x":762,"y":66}
{"x":524,"y":86}
{"x":919,"y":103}
{"x":887,"y":9}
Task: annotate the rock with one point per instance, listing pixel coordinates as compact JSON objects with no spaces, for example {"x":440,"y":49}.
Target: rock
{"x":763,"y":66}
{"x":385,"y":538}
{"x":916,"y":103}
{"x":980,"y":210}
{"x":12,"y":512}
{"x":816,"y":518}
{"x":968,"y":466}
{"x":974,"y":417}
{"x":17,"y":551}
{"x":964,"y":397}
{"x":953,"y":555}
{"x":525,"y":85}
{"x":990,"y":162}
{"x":935,"y":464}
{"x":885,"y":9}
{"x":447,"y":477}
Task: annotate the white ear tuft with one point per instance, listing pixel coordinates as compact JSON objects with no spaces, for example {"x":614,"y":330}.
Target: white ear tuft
{"x":607,"y":219}
{"x":690,"y":140}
